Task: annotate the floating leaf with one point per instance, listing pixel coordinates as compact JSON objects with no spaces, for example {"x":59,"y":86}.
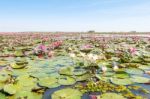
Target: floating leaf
{"x":15,"y":66}
{"x":134,"y":71}
{"x":67,"y":93}
{"x":11,"y":89}
{"x":121,"y":75}
{"x":3,"y":63}
{"x":27,"y":95}
{"x":125,"y":81}
{"x":19,"y":53}
{"x":66,"y":71}
{"x":103,"y":78}
{"x":65,"y":80}
{"x":110,"y":96}
{"x":144,"y":67}
{"x":83,"y":77}
{"x":4,"y":77}
{"x":79,"y":72}
{"x":26,"y":82}
{"x":2,"y":96}
{"x":139,"y":79}
{"x":50,"y":82}
{"x":1,"y":85}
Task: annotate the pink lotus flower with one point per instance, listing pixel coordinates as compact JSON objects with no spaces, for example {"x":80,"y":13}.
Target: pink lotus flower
{"x":42,"y":48}
{"x":86,"y":46}
{"x":93,"y":97}
{"x":132,"y":50}
{"x":45,"y":39}
{"x":56,"y":44}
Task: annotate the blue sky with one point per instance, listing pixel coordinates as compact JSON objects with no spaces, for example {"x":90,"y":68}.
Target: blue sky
{"x":74,"y":15}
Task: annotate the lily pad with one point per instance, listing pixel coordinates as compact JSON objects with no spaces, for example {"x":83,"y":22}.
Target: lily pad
{"x":2,"y":96}
{"x":144,"y":67}
{"x":11,"y":88}
{"x":82,"y":77}
{"x":103,"y":78}
{"x":121,"y":75}
{"x":19,"y":53}
{"x":50,"y":82}
{"x":139,"y":79}
{"x":78,"y":72}
{"x":67,"y":93}
{"x":4,"y":77}
{"x":27,"y":94}
{"x":107,"y":74}
{"x":111,"y":96}
{"x":134,"y":71}
{"x":66,"y":71}
{"x":65,"y":80}
{"x":1,"y":85}
{"x":125,"y":81}
{"x":15,"y":66}
{"x":26,"y":82}
{"x":3,"y":63}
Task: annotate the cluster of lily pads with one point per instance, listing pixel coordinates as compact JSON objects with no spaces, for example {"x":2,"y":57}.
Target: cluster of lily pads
{"x":113,"y":67}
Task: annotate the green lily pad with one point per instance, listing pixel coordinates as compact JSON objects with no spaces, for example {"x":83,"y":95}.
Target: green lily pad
{"x":121,"y":75}
{"x":79,"y":72}
{"x":4,"y":77}
{"x":15,"y":66}
{"x":26,"y":82}
{"x":50,"y":82}
{"x":18,"y":72}
{"x":125,"y":81}
{"x":1,"y":85}
{"x":111,"y":96}
{"x":146,"y":59}
{"x":65,"y":80}
{"x":3,"y":63}
{"x":82,"y":77}
{"x":2,"y":96}
{"x":107,"y":74}
{"x":27,"y":94}
{"x":139,"y":79}
{"x":103,"y":78}
{"x":134,"y":71}
{"x":67,"y":93}
{"x":19,"y":53}
{"x":66,"y":71}
{"x":144,"y":67}
{"x":38,"y":75}
{"x":11,"y":88}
